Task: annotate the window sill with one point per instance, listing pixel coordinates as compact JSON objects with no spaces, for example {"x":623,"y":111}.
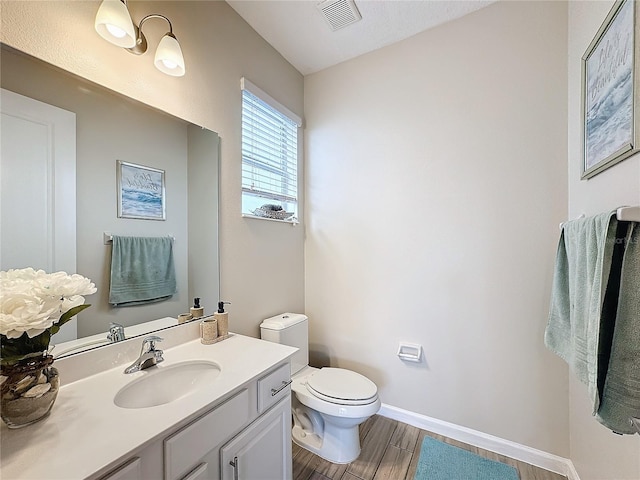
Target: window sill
{"x":292,"y":221}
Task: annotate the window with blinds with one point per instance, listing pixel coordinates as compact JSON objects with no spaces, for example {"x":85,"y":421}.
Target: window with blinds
{"x":269,"y":156}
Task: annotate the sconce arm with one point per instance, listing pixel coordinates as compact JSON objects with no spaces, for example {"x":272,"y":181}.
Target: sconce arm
{"x":141,"y":42}
{"x":156,"y":15}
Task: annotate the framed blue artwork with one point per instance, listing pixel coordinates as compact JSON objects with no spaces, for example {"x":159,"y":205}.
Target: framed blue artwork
{"x":609,"y":90}
{"x":141,"y":192}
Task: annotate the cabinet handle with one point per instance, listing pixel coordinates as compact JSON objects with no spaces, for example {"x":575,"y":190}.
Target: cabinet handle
{"x":236,"y":468}
{"x":275,"y":391}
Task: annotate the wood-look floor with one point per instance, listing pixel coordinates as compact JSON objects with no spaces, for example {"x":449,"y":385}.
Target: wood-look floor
{"x":390,"y":451}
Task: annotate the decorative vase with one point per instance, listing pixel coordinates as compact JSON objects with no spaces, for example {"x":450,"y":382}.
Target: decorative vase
{"x":29,"y":389}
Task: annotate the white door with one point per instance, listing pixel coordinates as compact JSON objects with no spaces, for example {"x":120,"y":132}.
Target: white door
{"x":37,"y":188}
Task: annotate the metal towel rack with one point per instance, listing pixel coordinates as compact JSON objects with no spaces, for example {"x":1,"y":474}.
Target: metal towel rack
{"x":623,"y":214}
{"x":628,"y":214}
{"x":108,"y":238}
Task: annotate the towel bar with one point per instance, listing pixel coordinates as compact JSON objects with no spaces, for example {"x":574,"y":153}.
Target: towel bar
{"x":623,"y":214}
{"x":107,"y":238}
{"x":628,"y":214}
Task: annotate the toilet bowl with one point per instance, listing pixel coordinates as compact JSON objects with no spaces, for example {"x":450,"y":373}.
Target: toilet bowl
{"x":325,"y":424}
{"x":328,"y":404}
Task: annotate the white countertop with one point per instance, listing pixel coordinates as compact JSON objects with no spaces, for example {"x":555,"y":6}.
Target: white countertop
{"x":87,"y":432}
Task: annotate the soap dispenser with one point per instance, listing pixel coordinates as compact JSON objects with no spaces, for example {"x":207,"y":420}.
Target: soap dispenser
{"x":197,"y":311}
{"x":223,"y":319}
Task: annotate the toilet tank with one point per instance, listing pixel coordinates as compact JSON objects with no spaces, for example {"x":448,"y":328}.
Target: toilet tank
{"x":289,"y":329}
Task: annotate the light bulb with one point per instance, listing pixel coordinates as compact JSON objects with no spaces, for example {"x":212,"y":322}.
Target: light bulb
{"x":115,"y":31}
{"x":169,"y":64}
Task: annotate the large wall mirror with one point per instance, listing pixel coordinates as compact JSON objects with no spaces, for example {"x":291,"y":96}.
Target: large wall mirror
{"x":110,"y":127}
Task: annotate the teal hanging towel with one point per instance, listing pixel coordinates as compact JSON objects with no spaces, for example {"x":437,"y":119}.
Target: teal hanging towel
{"x":142,"y":270}
{"x":621,"y":394}
{"x":579,"y":317}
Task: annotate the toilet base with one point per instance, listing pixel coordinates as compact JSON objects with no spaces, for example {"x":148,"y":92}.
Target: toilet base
{"x":329,"y":430}
{"x":337,"y":445}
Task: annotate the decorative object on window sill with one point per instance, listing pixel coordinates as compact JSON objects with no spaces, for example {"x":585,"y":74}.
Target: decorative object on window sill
{"x":114,"y":24}
{"x":610,"y":129}
{"x":293,"y":221}
{"x":35,"y":305}
{"x":272,"y":211}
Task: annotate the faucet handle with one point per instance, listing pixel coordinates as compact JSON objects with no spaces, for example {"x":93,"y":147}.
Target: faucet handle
{"x":116,"y":332}
{"x":151,"y":342}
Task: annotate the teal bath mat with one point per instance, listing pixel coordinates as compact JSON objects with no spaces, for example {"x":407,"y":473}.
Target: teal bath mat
{"x":439,"y":461}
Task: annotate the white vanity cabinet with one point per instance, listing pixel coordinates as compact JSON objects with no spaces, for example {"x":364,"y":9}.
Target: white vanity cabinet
{"x":196,"y":446}
{"x":248,"y":426}
{"x":262,"y":451}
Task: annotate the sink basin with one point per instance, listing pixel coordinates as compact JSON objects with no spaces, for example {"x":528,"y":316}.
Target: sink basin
{"x":164,"y":384}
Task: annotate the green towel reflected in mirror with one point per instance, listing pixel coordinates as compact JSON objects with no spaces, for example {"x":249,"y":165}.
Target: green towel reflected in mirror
{"x":142,"y":270}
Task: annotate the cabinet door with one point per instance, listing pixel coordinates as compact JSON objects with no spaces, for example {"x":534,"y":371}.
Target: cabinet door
{"x":199,"y":473}
{"x":199,"y":441}
{"x":129,"y":471}
{"x":262,"y":451}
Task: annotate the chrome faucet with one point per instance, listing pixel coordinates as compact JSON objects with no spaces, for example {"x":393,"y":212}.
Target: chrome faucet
{"x":149,"y":356}
{"x":116,"y":333}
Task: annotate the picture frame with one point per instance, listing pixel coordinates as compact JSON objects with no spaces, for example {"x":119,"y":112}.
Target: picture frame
{"x":141,"y":191}
{"x":610,"y":107}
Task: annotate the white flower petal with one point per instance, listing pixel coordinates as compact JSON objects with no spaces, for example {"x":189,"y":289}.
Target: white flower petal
{"x":32,"y":300}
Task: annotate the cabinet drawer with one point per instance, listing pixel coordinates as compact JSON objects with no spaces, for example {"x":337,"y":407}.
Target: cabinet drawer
{"x":185,"y":449}
{"x":273,"y":387}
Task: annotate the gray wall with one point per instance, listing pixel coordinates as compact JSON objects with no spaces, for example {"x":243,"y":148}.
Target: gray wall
{"x":596,"y":452}
{"x":436,"y":179}
{"x":204,"y":264}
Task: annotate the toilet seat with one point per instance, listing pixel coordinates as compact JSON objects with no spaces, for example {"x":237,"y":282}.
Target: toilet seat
{"x":341,"y":386}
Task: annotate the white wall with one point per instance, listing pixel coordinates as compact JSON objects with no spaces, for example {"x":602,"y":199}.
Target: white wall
{"x":597,"y":453}
{"x":261,"y":262}
{"x":436,"y":179}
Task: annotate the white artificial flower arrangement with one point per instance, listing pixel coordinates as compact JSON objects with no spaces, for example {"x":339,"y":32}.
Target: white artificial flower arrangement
{"x":33,"y":306}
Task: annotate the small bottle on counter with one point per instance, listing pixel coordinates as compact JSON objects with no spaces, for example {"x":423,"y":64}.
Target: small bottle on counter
{"x":197,"y":311}
{"x":223,"y":319}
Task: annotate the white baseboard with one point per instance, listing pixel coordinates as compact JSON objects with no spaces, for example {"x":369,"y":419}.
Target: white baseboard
{"x":541,"y":459}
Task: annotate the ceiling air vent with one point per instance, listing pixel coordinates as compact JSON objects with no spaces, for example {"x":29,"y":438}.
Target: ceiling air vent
{"x":339,"y":13}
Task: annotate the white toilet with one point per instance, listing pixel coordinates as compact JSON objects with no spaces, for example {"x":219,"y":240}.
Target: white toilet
{"x":328,"y":404}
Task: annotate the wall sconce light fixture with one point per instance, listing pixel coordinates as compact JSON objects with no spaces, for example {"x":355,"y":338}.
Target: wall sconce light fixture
{"x":114,"y":24}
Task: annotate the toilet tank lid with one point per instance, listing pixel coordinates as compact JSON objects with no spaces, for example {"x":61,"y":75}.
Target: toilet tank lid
{"x":282,"y":321}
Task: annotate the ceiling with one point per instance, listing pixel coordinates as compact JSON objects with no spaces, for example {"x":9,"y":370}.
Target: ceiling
{"x":298,"y":30}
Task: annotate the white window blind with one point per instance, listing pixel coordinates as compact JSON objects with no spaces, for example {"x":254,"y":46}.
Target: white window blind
{"x":269,"y":152}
